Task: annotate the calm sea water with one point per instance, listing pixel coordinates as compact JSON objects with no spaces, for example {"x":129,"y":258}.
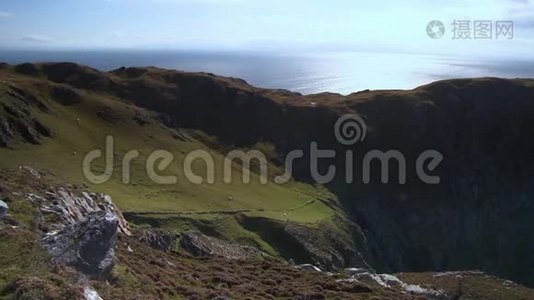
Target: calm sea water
{"x":341,"y":72}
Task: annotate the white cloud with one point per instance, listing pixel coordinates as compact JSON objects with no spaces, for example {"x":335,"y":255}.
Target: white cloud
{"x":36,"y":39}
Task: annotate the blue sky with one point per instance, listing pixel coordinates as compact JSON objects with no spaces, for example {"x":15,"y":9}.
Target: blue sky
{"x":335,"y":25}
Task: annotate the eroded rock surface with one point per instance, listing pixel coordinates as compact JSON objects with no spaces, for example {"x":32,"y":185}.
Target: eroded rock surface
{"x":158,"y":239}
{"x":61,"y":207}
{"x":88,"y":245}
{"x":202,"y":245}
{"x":18,"y":119}
{"x":80,"y":228}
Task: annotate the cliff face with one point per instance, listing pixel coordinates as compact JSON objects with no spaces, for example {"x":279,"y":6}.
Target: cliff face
{"x":479,"y":214}
{"x":477,"y":217}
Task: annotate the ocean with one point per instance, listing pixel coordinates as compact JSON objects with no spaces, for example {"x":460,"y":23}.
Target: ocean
{"x":307,"y":73}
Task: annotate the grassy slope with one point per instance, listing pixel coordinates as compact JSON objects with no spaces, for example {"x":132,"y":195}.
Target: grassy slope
{"x":77,"y":130}
{"x":183,"y":204}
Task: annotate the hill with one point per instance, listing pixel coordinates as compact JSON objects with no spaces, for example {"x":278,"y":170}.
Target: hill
{"x":477,"y":217}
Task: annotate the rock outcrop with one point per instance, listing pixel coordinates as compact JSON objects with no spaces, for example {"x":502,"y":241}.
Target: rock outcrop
{"x":158,"y":239}
{"x":19,"y":120}
{"x":6,"y":133}
{"x":199,"y":244}
{"x":392,"y":281}
{"x":80,"y":229}
{"x":87,"y":245}
{"x":62,"y":207}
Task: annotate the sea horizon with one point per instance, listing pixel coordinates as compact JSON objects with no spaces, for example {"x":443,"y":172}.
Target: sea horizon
{"x":342,"y":72}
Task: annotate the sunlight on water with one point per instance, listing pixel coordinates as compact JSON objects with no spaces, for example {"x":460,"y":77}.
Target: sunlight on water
{"x":342,"y":72}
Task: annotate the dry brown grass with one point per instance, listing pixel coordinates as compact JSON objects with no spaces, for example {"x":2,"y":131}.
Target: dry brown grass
{"x":148,"y":273}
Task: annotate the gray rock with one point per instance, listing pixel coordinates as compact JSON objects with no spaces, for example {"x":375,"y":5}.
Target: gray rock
{"x":88,"y":245}
{"x":80,"y":229}
{"x":158,"y":239}
{"x":90,"y":294}
{"x":324,"y":247}
{"x":308,"y":267}
{"x":69,"y":208}
{"x":5,"y":132}
{"x":199,"y":244}
{"x":28,"y":133}
{"x":3,"y":208}
{"x":355,"y":271}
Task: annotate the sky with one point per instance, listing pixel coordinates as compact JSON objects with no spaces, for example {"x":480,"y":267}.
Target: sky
{"x":276,"y":25}
{"x":303,"y":45}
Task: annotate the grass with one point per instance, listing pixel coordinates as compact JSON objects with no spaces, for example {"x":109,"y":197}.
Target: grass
{"x":26,"y":271}
{"x":64,"y":153}
{"x":175,"y":276}
{"x":211,"y":208}
{"x":142,"y":272}
{"x":20,"y":255}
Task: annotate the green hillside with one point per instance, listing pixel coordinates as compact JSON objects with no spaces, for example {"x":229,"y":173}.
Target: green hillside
{"x":81,"y":123}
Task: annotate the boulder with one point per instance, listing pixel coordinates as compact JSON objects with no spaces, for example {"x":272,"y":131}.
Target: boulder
{"x":88,"y":245}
